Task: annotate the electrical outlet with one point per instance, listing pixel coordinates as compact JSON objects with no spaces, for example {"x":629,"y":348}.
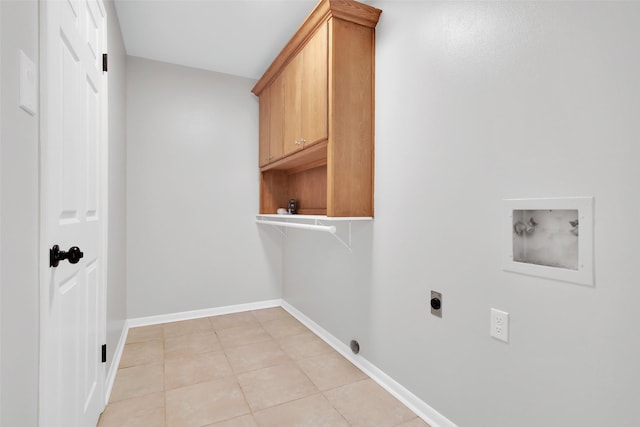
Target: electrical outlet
{"x":436,"y":303}
{"x":500,"y":325}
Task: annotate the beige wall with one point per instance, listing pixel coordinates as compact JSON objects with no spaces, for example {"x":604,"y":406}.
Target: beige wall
{"x":192,"y":192}
{"x":477,"y":102}
{"x":19,"y":224}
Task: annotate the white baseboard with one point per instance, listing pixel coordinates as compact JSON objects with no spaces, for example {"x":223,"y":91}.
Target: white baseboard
{"x":420,"y":408}
{"x":207,"y":312}
{"x":113,"y":369}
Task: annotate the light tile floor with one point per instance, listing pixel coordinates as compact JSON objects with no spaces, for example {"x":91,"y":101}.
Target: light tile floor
{"x":257,"y":368}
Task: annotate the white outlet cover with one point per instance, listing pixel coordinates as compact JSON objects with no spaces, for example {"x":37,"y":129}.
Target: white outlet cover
{"x":28,"y":84}
{"x":500,"y":325}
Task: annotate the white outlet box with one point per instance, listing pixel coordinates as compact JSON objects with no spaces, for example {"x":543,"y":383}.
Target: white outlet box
{"x":500,"y":325}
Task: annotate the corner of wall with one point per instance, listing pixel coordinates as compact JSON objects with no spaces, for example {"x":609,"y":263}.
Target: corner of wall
{"x":117,"y":249}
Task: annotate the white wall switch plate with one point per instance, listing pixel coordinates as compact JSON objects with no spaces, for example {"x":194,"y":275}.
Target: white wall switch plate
{"x":500,"y":325}
{"x":28,"y":89}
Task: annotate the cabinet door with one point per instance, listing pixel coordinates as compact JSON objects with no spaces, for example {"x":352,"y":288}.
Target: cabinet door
{"x":314,"y":87}
{"x":306,"y":94}
{"x":293,"y":105}
{"x":264,"y":112}
{"x":276,"y":126}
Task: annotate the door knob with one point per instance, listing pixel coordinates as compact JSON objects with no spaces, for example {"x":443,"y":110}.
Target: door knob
{"x":73,"y":255}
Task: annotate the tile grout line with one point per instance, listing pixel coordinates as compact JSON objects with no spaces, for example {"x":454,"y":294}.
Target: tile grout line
{"x":279,"y":345}
{"x":235,"y":376}
{"x":164,"y":379}
{"x":319,"y":392}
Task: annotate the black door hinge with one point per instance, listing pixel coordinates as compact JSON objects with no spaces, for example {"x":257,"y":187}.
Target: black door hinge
{"x":104,"y":353}
{"x":104,"y":62}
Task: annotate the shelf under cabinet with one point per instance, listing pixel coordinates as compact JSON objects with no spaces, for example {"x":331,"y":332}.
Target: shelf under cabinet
{"x":307,"y":222}
{"x":301,"y":176}
{"x":308,"y":158}
{"x":296,"y":217}
{"x":313,"y":223}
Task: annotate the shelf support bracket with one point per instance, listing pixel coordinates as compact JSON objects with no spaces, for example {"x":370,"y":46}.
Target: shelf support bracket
{"x":338,"y":238}
{"x":279,"y":230}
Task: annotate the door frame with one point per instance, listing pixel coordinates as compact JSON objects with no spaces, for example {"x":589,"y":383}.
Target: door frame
{"x":103,"y":182}
{"x":1,"y":285}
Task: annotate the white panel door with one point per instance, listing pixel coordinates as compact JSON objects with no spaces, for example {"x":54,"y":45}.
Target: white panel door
{"x":73,"y":197}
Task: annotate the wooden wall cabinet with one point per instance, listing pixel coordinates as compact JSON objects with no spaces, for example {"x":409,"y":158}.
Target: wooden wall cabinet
{"x":317,"y":115}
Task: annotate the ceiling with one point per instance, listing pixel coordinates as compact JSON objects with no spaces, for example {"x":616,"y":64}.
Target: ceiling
{"x":240,"y":37}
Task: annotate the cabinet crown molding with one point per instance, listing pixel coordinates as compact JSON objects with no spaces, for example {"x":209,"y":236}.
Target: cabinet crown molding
{"x":347,"y":10}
